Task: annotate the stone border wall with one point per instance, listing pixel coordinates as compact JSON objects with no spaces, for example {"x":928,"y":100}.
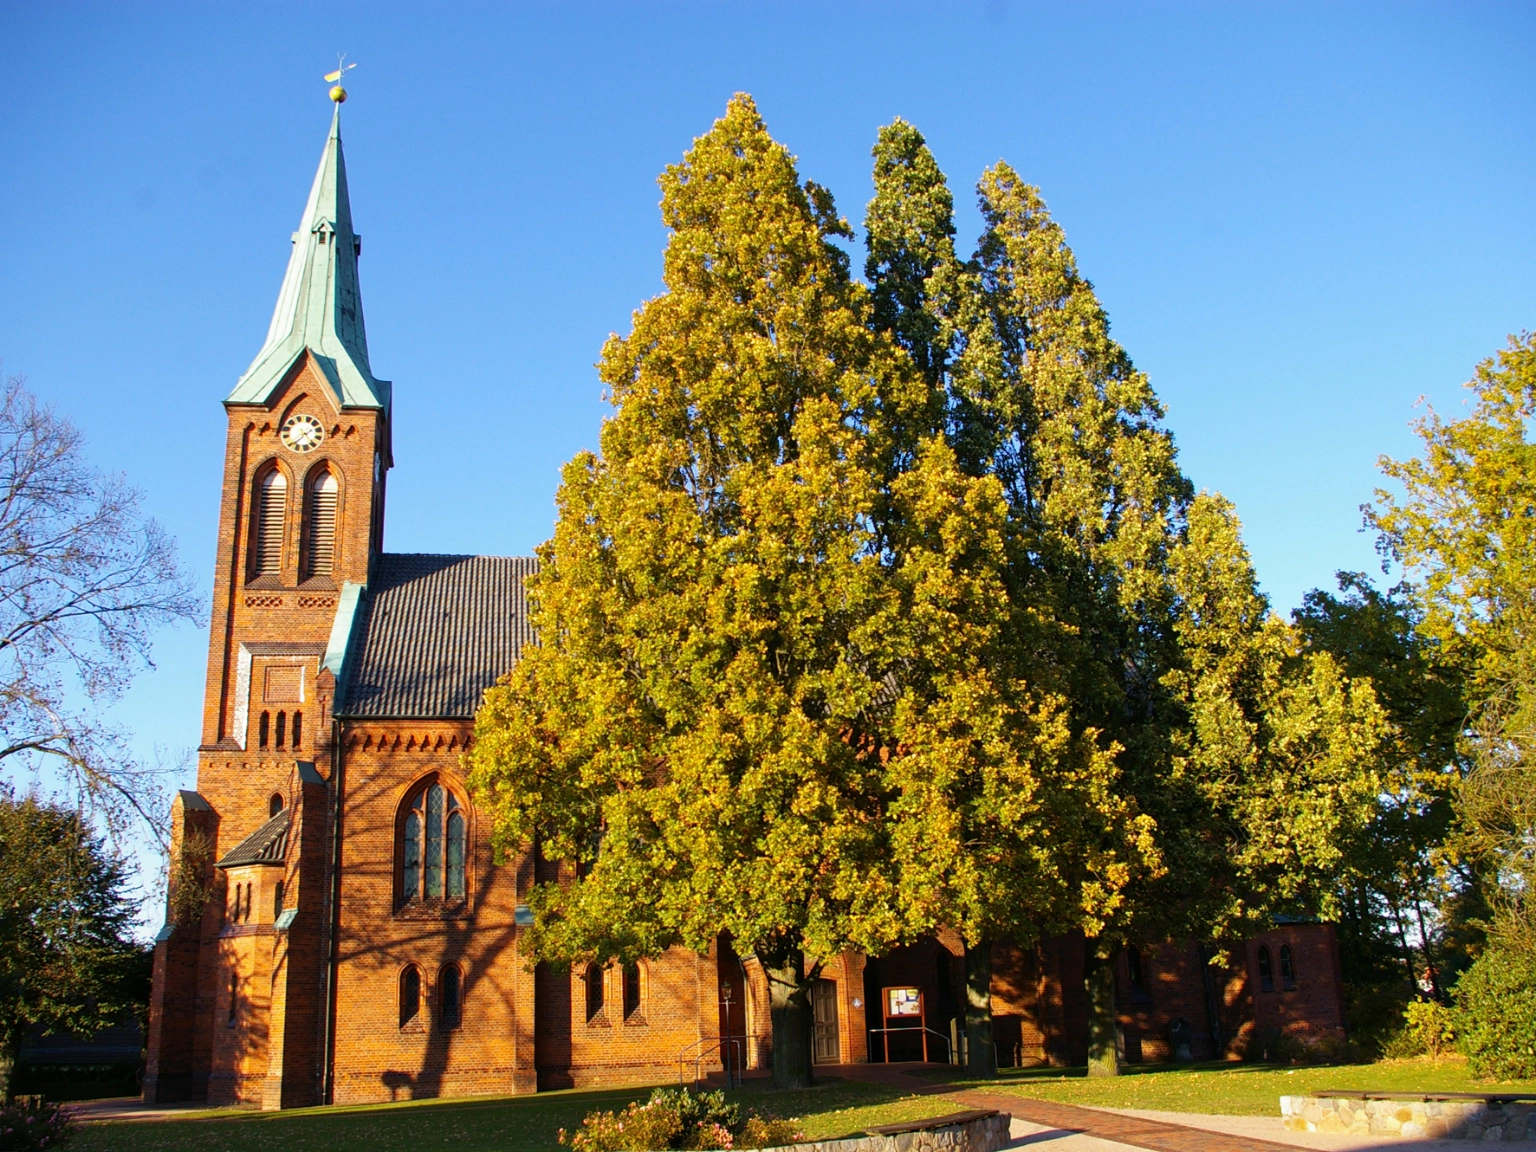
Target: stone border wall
{"x":1410,"y":1119}
{"x":984,"y":1134}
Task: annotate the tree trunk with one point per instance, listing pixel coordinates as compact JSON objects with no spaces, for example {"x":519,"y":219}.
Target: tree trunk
{"x":1099,"y":982}
{"x":980,"y":1052}
{"x":789,"y":1006}
{"x":8,"y":1047}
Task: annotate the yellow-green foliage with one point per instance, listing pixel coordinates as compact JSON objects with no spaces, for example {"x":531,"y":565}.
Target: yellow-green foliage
{"x":1464,"y":528}
{"x":1428,"y":1029}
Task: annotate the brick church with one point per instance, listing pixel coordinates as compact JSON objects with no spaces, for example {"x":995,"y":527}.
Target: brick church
{"x":337,"y":928}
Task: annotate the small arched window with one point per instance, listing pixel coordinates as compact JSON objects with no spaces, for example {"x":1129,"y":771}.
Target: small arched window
{"x":631,"y":991}
{"x":282,"y":729}
{"x":274,"y":804}
{"x":234,"y":998}
{"x":264,"y":730}
{"x":432,"y":846}
{"x":320,"y":525}
{"x":1287,"y":969}
{"x":450,"y":998}
{"x":410,"y":994}
{"x":271,"y":517}
{"x":594,"y":979}
{"x":298,"y":727}
{"x":1266,"y":971}
{"x":277,"y":900}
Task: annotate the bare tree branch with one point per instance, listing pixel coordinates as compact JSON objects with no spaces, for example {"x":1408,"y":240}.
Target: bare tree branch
{"x":85,"y":582}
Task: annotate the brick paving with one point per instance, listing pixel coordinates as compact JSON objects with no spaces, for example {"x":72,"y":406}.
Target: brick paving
{"x":1157,"y":1135}
{"x":1140,"y":1133}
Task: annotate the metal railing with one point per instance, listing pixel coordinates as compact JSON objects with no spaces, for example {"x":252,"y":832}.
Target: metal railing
{"x":924,"y":1032}
{"x":700,"y":1050}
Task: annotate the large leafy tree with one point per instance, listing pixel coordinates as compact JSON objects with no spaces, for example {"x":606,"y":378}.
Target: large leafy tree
{"x":66,"y":959}
{"x":1235,"y":759}
{"x":1401,"y":894}
{"x":1000,"y":341}
{"x":698,"y":732}
{"x":1463,"y":525}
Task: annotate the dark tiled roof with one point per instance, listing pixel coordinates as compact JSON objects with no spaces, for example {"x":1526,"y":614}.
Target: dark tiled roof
{"x":267,"y":845}
{"x":433,"y":633}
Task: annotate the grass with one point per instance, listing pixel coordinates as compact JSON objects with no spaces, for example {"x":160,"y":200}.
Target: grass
{"x":1235,"y":1089}
{"x":831,"y":1109}
{"x":507,"y":1124}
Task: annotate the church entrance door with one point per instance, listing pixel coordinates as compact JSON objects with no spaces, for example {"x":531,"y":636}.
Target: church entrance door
{"x":824,"y":1044}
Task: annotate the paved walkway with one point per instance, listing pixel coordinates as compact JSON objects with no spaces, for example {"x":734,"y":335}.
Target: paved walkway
{"x":1071,"y":1128}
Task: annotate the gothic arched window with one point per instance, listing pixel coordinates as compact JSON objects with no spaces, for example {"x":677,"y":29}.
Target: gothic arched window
{"x":275,"y":804}
{"x":410,"y":994}
{"x":320,"y":524}
{"x":1266,"y":971}
{"x":271,"y":517}
{"x":450,"y":986}
{"x":631,"y":990}
{"x":594,"y":979}
{"x":1287,"y":968}
{"x":432,"y":846}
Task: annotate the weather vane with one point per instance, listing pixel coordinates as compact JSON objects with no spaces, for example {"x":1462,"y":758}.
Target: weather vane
{"x":338,"y":93}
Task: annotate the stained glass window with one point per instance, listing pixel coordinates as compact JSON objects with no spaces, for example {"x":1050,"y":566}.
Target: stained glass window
{"x":433,"y":848}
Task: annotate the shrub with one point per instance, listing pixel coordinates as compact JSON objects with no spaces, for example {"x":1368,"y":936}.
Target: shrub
{"x":768,"y":1132}
{"x":1428,"y":1029}
{"x":1495,"y":1015}
{"x":29,"y":1124}
{"x":678,"y":1118}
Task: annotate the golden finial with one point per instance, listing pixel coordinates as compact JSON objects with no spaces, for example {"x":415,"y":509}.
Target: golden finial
{"x":338,"y":93}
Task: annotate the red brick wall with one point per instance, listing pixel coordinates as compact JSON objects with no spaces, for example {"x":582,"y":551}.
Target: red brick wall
{"x":1313,"y":1010}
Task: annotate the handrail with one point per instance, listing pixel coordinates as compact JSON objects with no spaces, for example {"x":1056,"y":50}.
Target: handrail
{"x":926,"y":1032}
{"x":708,"y":1046}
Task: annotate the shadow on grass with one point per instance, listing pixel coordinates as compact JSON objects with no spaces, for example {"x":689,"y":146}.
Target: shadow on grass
{"x":529,"y":1123}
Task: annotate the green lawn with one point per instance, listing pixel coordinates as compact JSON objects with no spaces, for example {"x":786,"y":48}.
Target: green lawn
{"x":1235,"y":1089}
{"x":507,"y":1124}
{"x":833,"y":1108}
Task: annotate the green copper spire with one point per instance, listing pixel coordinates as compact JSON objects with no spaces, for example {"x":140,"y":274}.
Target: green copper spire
{"x":320,"y":307}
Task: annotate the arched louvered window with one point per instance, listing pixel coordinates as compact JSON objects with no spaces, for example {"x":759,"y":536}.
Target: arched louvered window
{"x":271,"y":513}
{"x":298,"y":727}
{"x":320,"y":525}
{"x":432,"y":846}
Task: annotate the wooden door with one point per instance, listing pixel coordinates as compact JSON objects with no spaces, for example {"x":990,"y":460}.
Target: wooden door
{"x":824,"y":1044}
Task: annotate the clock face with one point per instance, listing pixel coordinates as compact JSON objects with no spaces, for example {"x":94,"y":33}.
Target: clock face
{"x":303,"y":433}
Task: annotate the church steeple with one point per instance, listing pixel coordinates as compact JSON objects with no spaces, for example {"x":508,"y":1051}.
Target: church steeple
{"x":320,"y":307}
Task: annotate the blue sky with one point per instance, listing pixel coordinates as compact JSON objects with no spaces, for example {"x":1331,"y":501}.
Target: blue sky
{"x":1301,"y":219}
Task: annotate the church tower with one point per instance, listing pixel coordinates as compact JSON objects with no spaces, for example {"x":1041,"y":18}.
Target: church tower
{"x":303,"y":510}
{"x":300,"y":529}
